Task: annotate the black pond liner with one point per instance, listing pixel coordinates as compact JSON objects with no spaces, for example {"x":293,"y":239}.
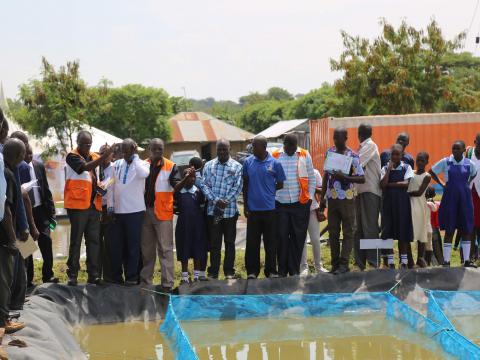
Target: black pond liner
{"x":54,"y":308}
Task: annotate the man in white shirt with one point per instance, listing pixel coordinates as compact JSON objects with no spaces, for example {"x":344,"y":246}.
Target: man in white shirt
{"x":368,"y":200}
{"x":125,"y":200}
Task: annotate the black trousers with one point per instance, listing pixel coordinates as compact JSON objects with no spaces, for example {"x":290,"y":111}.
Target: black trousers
{"x":6,"y":278}
{"x":261,"y":223}
{"x":44,"y":243}
{"x":19,"y":283}
{"x":105,"y":263}
{"x":84,"y":222}
{"x":226,"y":229}
{"x":292,"y":226}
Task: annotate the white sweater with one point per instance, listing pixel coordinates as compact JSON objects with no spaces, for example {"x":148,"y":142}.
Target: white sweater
{"x":126,"y":194}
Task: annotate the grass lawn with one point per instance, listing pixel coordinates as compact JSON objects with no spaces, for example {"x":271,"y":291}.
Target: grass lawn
{"x":60,"y":266}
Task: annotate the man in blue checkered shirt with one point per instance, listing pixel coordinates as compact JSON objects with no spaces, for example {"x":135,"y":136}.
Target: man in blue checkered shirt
{"x":222,"y":184}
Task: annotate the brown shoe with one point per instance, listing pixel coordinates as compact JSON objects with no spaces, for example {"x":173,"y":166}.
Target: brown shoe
{"x":12,"y":327}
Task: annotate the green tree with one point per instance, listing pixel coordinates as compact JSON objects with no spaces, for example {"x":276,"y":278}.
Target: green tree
{"x":58,"y":100}
{"x":399,"y":72}
{"x":226,"y":110}
{"x":133,"y":111}
{"x":279,"y":94}
{"x":252,"y":98}
{"x":260,"y":116}
{"x":316,"y":104}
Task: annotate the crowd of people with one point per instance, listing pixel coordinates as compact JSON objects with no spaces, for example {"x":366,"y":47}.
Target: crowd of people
{"x":124,"y":208}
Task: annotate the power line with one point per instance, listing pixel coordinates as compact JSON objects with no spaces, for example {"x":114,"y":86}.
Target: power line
{"x":473,"y":17}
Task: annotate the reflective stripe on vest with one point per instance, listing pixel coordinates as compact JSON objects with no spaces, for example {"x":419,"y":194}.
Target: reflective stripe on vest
{"x":302,"y":174}
{"x":164,"y":192}
{"x":78,"y":188}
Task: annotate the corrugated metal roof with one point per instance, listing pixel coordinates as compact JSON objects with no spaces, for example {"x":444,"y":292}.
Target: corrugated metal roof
{"x":281,"y":127}
{"x":201,"y":127}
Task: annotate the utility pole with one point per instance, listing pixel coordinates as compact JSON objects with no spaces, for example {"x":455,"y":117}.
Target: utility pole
{"x":185,"y":97}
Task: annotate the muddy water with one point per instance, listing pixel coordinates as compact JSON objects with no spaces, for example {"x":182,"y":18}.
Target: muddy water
{"x":467,"y":326}
{"x":123,"y":341}
{"x":353,"y":337}
{"x":360,"y":337}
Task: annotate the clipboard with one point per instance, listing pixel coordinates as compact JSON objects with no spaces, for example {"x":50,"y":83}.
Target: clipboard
{"x":338,"y":162}
{"x":26,"y":248}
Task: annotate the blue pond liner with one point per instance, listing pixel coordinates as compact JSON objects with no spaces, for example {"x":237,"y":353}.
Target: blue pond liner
{"x":228,"y":307}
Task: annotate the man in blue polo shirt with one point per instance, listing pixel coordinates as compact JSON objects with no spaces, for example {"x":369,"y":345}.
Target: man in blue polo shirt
{"x":263,"y":175}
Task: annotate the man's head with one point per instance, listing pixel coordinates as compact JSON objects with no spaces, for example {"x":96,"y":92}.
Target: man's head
{"x":129,"y":147}
{"x":13,"y":152}
{"x":340,"y":137}
{"x":290,"y":144}
{"x":3,"y":129}
{"x":156,"y":147}
{"x":108,"y":159}
{"x":84,"y":143}
{"x":364,"y":132}
{"x":403,"y":139}
{"x":196,"y":163}
{"x":477,"y":143}
{"x":396,"y":153}
{"x":223,"y":150}
{"x":259,"y":146}
{"x":28,"y":154}
{"x":20,"y":136}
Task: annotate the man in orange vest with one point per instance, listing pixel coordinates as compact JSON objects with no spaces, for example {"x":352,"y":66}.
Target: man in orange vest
{"x":84,"y":206}
{"x":157,"y":231}
{"x":293,"y":204}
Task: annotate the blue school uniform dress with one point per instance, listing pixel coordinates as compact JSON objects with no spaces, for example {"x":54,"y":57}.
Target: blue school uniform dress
{"x":190,"y":233}
{"x":456,"y":208}
{"x":396,"y":208}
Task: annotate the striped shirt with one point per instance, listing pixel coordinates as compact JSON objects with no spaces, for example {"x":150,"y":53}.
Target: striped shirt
{"x":291,"y":189}
{"x":222,"y":182}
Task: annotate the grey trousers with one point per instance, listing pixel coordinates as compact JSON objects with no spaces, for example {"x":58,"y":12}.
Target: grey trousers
{"x":84,"y":222}
{"x":6,"y":279}
{"x":368,"y":211}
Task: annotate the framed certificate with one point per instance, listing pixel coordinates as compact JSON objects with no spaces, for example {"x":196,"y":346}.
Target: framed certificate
{"x":338,"y":162}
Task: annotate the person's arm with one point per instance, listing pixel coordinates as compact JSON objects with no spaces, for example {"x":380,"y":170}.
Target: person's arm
{"x":366,"y":153}
{"x":280,"y":176}
{"x":47,"y":194}
{"x":473,"y":172}
{"x":28,"y":209}
{"x":436,"y":169}
{"x":311,"y":177}
{"x":142,"y":168}
{"x":179,"y":185}
{"x":385,"y":176}
{"x":236,"y":188}
{"x":90,"y":165}
{"x":423,"y":187}
{"x":8,"y":225}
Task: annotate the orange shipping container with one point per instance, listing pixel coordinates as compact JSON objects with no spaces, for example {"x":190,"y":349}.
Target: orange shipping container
{"x":433,"y":133}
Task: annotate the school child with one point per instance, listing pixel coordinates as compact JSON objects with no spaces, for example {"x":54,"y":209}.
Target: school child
{"x":396,"y":207}
{"x":456,"y":209}
{"x":473,"y":153}
{"x":432,"y":226}
{"x":420,"y":214}
{"x":190,"y":235}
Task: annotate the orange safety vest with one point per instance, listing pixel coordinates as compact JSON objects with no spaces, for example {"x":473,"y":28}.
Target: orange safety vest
{"x":163,"y":205}
{"x":302,"y":173}
{"x":78,"y":188}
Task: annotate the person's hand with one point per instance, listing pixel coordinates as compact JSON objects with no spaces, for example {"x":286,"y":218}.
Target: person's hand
{"x":222,"y":204}
{"x":24,"y":236}
{"x":320,"y":215}
{"x":338,"y":175}
{"x":390,"y":166}
{"x":34,"y":233}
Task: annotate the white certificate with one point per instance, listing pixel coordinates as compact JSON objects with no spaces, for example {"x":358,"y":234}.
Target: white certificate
{"x":338,"y":162}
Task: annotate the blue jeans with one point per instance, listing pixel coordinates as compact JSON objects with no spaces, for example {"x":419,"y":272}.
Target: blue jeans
{"x":125,"y":235}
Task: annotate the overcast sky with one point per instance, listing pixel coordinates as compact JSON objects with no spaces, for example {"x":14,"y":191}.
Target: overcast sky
{"x":218,"y":48}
